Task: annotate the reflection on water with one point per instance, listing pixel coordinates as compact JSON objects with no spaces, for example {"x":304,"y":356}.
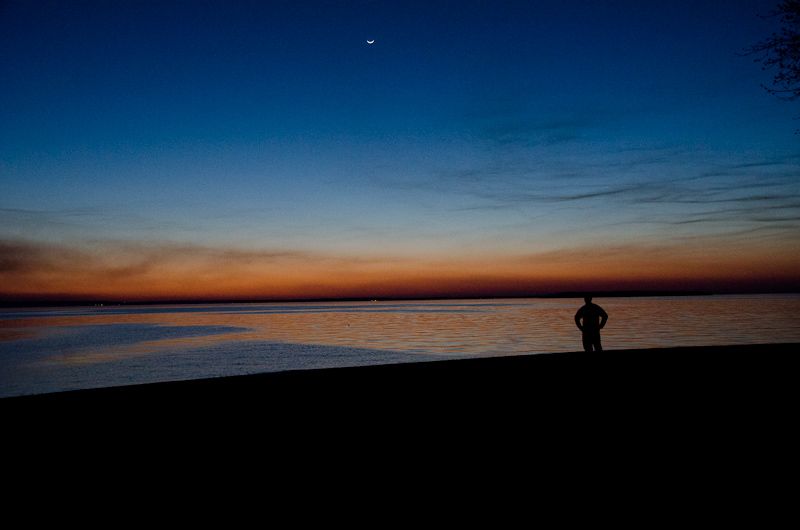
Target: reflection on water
{"x":53,"y":349}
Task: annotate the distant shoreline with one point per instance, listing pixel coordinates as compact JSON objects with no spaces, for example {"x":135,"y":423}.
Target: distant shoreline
{"x":571,"y":294}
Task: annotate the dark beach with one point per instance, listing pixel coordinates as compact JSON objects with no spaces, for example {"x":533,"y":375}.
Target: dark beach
{"x":714,"y":383}
{"x":704,"y":415}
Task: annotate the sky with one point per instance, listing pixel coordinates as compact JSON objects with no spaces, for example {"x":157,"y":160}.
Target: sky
{"x":263,"y":150}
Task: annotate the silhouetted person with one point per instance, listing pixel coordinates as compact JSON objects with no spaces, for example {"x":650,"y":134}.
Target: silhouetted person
{"x":590,"y":319}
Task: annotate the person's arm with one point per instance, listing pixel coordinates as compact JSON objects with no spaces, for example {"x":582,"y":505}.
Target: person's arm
{"x":578,"y":317}
{"x":603,"y":317}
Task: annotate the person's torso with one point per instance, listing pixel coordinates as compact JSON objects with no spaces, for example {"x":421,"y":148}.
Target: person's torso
{"x":591,"y":315}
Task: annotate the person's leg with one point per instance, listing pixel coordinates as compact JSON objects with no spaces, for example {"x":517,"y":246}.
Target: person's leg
{"x":597,"y":345}
{"x":587,"y":342}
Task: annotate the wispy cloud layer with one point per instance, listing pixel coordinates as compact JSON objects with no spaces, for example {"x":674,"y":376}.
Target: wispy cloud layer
{"x":610,"y":185}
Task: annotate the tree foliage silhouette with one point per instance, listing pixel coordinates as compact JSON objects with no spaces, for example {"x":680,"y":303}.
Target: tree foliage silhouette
{"x":782,"y":51}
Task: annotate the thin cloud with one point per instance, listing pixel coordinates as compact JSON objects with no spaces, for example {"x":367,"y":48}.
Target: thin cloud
{"x":533,"y":132}
{"x":139,"y":258}
{"x":644,"y":180}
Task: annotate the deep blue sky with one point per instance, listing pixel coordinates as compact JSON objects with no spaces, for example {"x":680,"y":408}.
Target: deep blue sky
{"x":492,"y":128}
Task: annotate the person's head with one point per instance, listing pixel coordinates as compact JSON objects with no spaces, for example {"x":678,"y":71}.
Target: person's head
{"x":587,"y":299}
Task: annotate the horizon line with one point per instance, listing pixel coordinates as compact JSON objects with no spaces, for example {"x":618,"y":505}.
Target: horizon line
{"x":79,"y":302}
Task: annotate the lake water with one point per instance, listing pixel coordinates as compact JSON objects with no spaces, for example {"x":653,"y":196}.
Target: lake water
{"x":53,"y":349}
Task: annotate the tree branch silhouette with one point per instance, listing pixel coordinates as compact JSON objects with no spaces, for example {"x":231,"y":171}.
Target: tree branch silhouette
{"x":782,"y":51}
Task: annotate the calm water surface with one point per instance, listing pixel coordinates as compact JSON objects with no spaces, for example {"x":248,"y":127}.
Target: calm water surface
{"x":46,"y":350}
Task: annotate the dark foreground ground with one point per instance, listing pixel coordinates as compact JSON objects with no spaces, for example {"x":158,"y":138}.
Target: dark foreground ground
{"x":717,"y":381}
{"x":710,"y":420}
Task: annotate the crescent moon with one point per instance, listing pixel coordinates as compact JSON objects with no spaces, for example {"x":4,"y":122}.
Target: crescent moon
{"x":371,"y":41}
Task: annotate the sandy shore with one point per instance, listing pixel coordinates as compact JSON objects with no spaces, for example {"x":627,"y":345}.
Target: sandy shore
{"x":717,"y":412}
{"x":694,"y":421}
{"x":719,"y":374}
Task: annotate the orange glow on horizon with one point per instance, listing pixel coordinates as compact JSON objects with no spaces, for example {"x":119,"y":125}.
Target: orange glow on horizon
{"x":169,"y":272}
